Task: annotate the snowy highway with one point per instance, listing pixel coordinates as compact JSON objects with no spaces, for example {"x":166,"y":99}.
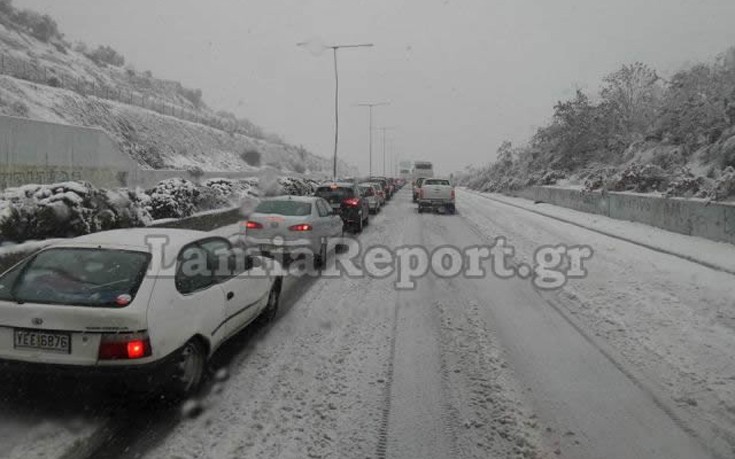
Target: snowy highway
{"x":635,"y":360}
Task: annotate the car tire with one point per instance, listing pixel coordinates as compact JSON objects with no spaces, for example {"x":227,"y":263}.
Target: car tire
{"x":359,"y":226}
{"x":271,"y":309}
{"x":188,"y":370}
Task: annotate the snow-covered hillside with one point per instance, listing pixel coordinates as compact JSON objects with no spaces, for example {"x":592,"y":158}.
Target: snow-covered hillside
{"x":160,"y":123}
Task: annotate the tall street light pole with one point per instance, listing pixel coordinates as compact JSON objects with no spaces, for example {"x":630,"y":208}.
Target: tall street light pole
{"x":370,"y":106}
{"x":334,"y":49}
{"x":384,"y":129}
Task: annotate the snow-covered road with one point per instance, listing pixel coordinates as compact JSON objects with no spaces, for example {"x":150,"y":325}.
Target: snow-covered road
{"x":635,"y":360}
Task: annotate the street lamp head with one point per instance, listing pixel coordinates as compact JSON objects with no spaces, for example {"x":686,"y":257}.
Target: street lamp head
{"x":360,"y":45}
{"x":371,"y":104}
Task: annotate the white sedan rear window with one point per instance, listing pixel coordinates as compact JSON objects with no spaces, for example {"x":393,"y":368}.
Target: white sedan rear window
{"x":76,"y":276}
{"x":286,"y":208}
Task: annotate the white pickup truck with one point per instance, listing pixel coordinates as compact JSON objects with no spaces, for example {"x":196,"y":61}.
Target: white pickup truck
{"x":436,"y":194}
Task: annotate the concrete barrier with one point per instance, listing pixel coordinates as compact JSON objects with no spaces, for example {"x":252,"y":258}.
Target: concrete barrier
{"x":714,"y":221}
{"x":33,"y":151}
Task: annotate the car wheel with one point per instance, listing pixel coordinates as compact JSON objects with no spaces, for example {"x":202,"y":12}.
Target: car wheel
{"x":274,"y":298}
{"x":188,"y":371}
{"x":359,"y":225}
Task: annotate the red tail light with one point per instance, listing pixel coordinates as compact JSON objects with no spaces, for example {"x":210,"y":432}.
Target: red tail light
{"x":128,"y":346}
{"x":302,"y":227}
{"x":253,"y":225}
{"x":352,"y":202}
{"x":452,"y":194}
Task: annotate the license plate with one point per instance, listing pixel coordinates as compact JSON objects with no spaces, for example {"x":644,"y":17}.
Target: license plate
{"x":42,"y":340}
{"x":274,"y":224}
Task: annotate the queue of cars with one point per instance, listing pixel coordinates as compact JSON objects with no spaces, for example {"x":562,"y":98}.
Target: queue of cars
{"x":148,"y":312}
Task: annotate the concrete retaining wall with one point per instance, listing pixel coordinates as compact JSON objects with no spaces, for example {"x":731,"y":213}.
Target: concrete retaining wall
{"x":715,"y":221}
{"x":33,"y":151}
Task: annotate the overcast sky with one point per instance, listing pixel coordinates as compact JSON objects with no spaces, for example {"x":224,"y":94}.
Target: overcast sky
{"x":461,"y":75}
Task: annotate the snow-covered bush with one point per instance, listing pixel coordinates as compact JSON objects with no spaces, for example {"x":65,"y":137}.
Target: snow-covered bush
{"x":173,"y":198}
{"x":297,"y":186}
{"x":724,"y":187}
{"x":219,"y":193}
{"x":67,"y":209}
{"x":543,"y":178}
{"x":686,"y":184}
{"x":640,"y":178}
{"x":597,"y":177}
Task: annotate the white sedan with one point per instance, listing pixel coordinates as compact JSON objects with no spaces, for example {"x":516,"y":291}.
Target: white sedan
{"x":149,"y":305}
{"x":293,"y":225}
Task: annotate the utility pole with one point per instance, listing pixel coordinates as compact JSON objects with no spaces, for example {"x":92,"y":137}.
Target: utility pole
{"x":370,"y":106}
{"x":334,"y":49}
{"x":384,"y":129}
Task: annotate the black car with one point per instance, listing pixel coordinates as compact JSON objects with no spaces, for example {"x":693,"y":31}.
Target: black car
{"x":347,"y":199}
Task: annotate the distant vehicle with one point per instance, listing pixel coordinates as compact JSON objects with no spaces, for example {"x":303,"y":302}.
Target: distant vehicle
{"x":347,"y":199}
{"x":387,"y":187}
{"x":288,"y":224}
{"x":422,"y":169}
{"x":436,"y":193}
{"x":417,"y":188}
{"x":379,"y":191}
{"x":104,"y":305}
{"x":370,"y":191}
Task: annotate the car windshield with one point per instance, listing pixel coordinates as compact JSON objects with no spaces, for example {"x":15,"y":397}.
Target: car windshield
{"x":76,"y":277}
{"x":436,"y":182}
{"x":284,"y":207}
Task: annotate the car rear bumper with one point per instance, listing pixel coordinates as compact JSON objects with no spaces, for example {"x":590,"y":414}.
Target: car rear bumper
{"x":435,"y":202}
{"x":351,"y":216}
{"x":282,"y":247}
{"x":139,"y":376}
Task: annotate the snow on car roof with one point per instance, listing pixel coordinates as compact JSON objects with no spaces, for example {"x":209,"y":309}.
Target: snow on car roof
{"x":137,"y":239}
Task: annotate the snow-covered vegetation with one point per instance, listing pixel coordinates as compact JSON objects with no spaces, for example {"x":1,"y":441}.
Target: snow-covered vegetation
{"x":68,"y":209}
{"x":74,"y":208}
{"x":639,"y":133}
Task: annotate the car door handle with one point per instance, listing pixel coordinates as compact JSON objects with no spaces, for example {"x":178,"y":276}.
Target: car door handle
{"x":230,"y":295}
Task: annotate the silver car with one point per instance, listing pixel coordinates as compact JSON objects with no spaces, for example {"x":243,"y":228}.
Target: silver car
{"x":379,"y":192}
{"x":289,"y":225}
{"x":369,"y":190}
